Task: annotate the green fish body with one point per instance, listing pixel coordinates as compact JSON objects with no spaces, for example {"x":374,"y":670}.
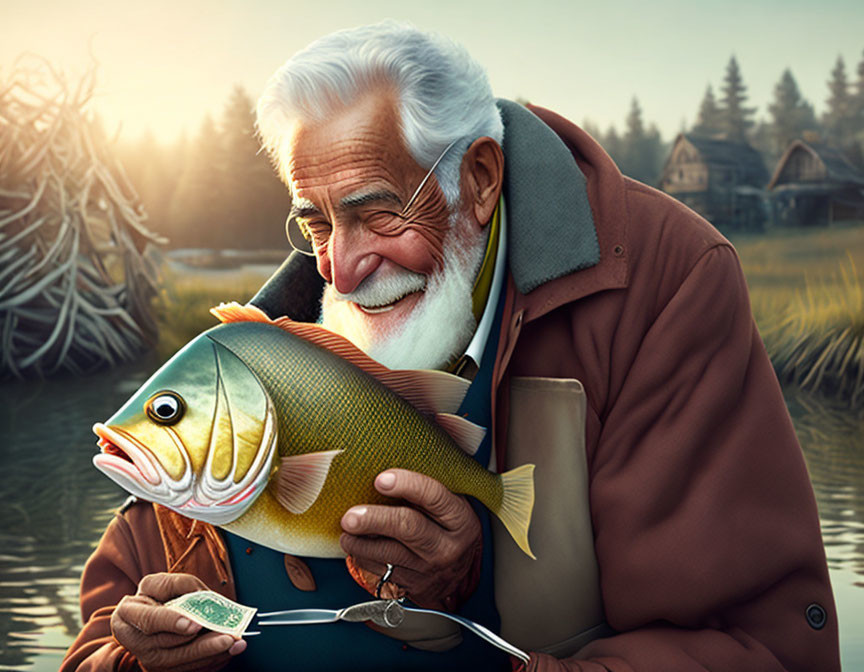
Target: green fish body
{"x":273,"y":429}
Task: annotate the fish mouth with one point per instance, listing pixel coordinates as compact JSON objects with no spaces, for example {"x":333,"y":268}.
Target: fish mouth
{"x":133,"y":467}
{"x":121,"y":453}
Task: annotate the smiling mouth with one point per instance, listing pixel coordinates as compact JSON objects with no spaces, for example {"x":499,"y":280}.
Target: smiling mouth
{"x":374,"y":310}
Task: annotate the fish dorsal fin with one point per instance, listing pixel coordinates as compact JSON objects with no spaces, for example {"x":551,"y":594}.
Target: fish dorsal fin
{"x":301,"y":478}
{"x":314,"y":333}
{"x":428,"y":391}
{"x":465,"y":433}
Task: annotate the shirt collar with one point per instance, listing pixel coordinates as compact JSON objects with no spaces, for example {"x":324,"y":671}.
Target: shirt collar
{"x":481,"y":334}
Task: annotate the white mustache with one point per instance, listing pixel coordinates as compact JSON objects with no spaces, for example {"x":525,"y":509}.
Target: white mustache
{"x":378,"y":290}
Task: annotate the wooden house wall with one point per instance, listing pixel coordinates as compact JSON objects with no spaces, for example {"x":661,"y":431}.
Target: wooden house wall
{"x":710,"y":189}
{"x":802,"y":166}
{"x":686,"y":172}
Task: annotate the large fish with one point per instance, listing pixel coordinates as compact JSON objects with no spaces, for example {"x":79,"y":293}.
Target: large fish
{"x":272,"y":429}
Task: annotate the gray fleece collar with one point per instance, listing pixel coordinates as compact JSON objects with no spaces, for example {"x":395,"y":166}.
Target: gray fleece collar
{"x":551,"y":228}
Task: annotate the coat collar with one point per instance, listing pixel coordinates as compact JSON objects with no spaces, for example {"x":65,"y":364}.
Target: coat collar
{"x":552,"y":232}
{"x":566,"y":209}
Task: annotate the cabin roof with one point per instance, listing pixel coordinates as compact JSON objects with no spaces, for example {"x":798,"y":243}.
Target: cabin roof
{"x":725,"y":153}
{"x":838,"y":169}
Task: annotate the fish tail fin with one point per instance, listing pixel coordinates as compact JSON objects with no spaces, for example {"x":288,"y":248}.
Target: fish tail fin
{"x":517,"y":503}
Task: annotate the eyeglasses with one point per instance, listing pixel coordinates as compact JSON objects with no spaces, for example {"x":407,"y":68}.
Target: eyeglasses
{"x":301,"y":240}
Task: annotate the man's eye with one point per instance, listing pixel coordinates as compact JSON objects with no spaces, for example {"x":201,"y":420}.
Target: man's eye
{"x":381,"y":219}
{"x":316,"y":230}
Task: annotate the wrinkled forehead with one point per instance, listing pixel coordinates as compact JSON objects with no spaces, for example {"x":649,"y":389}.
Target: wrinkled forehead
{"x":360,"y":146}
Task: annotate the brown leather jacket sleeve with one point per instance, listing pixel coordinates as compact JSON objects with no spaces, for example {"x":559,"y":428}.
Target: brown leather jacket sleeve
{"x":113,"y":571}
{"x":705,"y":522}
{"x":142,"y":539}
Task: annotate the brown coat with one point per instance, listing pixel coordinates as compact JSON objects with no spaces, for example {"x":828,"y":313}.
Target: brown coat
{"x":705,"y":525}
{"x":705,"y":528}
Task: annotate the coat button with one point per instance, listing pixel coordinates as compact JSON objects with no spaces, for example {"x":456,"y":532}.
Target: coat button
{"x":618,"y":250}
{"x":816,"y":616}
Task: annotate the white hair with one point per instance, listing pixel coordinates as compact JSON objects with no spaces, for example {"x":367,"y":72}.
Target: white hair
{"x":444,"y":94}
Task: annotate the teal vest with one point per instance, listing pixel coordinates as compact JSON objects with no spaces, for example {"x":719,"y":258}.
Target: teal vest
{"x":262,"y":582}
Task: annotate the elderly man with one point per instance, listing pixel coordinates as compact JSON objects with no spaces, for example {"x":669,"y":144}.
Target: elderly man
{"x":607,"y":335}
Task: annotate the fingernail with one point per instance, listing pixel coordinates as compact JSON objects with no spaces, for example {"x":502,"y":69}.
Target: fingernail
{"x":387,"y":480}
{"x":351,"y":519}
{"x":225,"y":642}
{"x":239,"y":647}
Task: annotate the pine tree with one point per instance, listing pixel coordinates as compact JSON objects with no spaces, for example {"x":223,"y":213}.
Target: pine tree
{"x":197,"y":212}
{"x":613,"y":144}
{"x":791,"y":114}
{"x":839,"y":114}
{"x":736,"y":117}
{"x":642,"y":150}
{"x":709,"y":121}
{"x":858,"y":116}
{"x":859,"y":90}
{"x":635,"y":132}
{"x":258,"y":202}
{"x":858,"y":93}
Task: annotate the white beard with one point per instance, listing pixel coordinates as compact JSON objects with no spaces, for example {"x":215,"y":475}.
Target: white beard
{"x":439,"y":327}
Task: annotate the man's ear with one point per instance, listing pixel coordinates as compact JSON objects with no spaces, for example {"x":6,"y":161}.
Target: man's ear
{"x":482,"y":177}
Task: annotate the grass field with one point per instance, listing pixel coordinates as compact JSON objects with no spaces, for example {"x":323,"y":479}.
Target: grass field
{"x":807,"y":293}
{"x":186,"y":298}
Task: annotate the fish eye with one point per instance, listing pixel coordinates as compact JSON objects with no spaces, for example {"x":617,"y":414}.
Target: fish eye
{"x":165,"y":408}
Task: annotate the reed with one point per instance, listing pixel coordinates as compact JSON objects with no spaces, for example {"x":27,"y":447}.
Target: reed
{"x":815,"y":334}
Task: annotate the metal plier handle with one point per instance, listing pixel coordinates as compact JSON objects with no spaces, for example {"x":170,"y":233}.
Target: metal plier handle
{"x":385,"y":613}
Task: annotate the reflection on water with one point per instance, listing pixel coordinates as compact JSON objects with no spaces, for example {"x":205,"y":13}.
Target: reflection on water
{"x":833,"y":442}
{"x":54,"y":505}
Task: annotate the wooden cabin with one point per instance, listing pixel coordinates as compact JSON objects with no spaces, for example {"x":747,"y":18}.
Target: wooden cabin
{"x":721,"y":180}
{"x":815,"y":185}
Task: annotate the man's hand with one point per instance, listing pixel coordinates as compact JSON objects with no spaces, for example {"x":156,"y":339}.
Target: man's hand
{"x":162,"y":639}
{"x":434,"y":545}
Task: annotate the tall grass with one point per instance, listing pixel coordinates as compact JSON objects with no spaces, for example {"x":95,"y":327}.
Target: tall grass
{"x":817,"y":343}
{"x":808,"y":300}
{"x":183,"y":306}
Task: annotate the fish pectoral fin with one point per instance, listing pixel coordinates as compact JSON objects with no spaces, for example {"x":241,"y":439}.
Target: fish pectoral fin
{"x":427,"y":391}
{"x":465,"y":433}
{"x":301,"y":478}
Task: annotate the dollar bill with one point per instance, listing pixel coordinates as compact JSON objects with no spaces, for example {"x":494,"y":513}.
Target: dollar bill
{"x":213,"y":611}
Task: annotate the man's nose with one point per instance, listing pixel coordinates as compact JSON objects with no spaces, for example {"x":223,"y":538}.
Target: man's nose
{"x":353,"y":255}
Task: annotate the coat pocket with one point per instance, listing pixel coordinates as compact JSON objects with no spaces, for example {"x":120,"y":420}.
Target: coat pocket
{"x":551,"y":604}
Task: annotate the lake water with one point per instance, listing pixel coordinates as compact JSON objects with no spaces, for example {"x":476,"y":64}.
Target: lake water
{"x":54,"y":505}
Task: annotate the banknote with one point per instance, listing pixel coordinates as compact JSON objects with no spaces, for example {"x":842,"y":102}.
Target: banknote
{"x":213,"y":611}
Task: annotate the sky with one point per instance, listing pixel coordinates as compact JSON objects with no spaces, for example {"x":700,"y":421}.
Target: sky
{"x":164,"y":64}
